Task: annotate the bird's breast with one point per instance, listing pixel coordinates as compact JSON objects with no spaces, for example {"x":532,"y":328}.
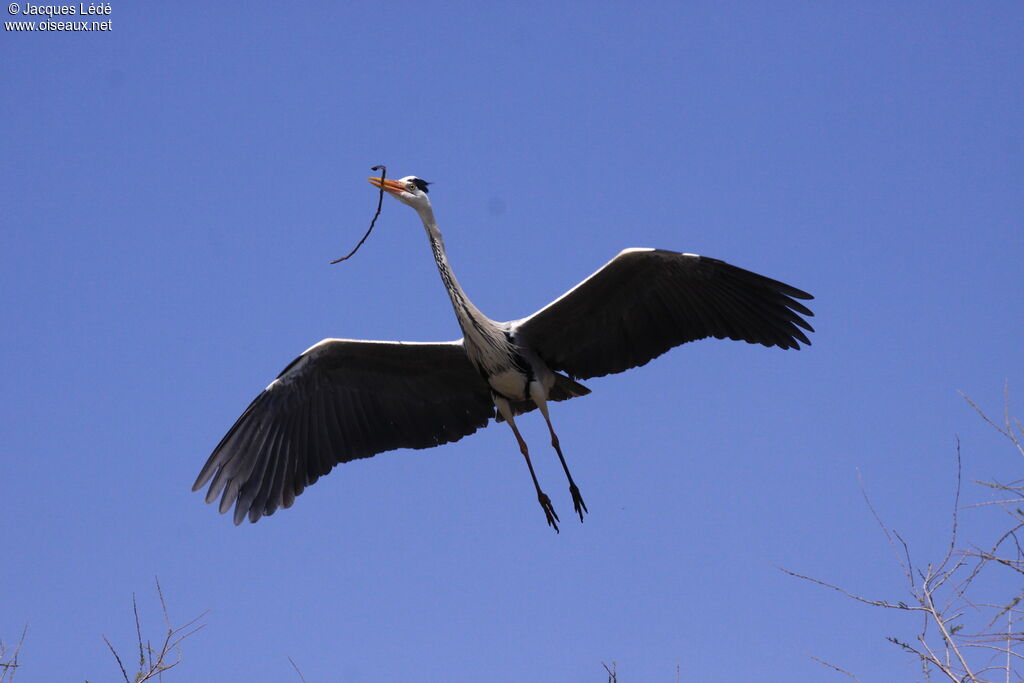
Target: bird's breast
{"x":510,"y":382}
{"x":503,"y":364}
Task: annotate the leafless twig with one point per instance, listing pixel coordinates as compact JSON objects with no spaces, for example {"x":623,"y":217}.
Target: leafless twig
{"x":296,"y":667}
{"x":854,"y":596}
{"x":9,"y":662}
{"x":380,"y":203}
{"x":834,"y":667}
{"x":959,"y":638}
{"x":152,"y":661}
{"x":1006,"y":429}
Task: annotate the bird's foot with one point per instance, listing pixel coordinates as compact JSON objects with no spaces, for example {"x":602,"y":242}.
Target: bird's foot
{"x":577,"y":501}
{"x":549,"y":510}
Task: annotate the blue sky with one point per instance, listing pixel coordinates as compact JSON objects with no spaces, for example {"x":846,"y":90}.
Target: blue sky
{"x":174,"y":189}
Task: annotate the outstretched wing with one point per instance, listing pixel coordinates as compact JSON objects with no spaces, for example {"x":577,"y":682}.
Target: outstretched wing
{"x":645,"y":301}
{"x":341,"y":400}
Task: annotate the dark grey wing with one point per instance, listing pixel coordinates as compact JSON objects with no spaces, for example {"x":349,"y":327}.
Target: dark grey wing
{"x":342,"y":400}
{"x":645,"y":301}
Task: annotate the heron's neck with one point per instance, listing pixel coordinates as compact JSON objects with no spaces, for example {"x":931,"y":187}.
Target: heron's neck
{"x":477,"y":328}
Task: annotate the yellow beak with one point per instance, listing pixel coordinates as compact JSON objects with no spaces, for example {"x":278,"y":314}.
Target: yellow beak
{"x":389,"y":185}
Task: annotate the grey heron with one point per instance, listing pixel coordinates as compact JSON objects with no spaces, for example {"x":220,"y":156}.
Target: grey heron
{"x":344,"y":399}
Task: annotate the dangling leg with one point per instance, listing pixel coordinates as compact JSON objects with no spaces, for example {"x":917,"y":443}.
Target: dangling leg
{"x":539,"y":397}
{"x":506,"y":412}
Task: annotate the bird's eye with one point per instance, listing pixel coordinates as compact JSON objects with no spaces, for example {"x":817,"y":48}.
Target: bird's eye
{"x":410,"y":187}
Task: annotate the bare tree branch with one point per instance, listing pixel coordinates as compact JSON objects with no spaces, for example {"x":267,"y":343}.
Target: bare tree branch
{"x":9,"y":663}
{"x":835,"y":668}
{"x":153,"y":662}
{"x":961,"y":637}
{"x":296,"y":667}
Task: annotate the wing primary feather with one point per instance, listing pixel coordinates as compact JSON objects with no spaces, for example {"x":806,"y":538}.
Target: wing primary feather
{"x":235,"y":461}
{"x":266,"y":502}
{"x":292,"y":478}
{"x":263,"y":493}
{"x":300,"y":449}
{"x":308,"y":443}
{"x":218,"y":456}
{"x":282,"y":479}
{"x":750,"y":311}
{"x":324,"y":438}
{"x":250,"y":488}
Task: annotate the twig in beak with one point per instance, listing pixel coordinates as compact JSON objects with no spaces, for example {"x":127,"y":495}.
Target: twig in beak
{"x":380,"y":202}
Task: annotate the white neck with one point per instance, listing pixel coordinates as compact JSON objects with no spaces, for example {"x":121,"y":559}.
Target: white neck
{"x":480,"y":332}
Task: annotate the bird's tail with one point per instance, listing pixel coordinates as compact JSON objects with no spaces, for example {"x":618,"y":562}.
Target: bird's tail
{"x":563,"y":389}
{"x":566,"y":388}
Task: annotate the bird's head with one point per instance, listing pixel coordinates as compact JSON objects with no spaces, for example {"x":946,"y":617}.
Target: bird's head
{"x":408,"y":190}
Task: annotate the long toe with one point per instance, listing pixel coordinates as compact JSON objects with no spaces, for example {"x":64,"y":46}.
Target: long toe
{"x":549,"y":511}
{"x":577,"y":501}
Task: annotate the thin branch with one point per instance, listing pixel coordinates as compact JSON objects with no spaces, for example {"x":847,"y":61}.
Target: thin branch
{"x":380,"y":202}
{"x":11,"y":664}
{"x":834,"y":667}
{"x":947,"y":638}
{"x":955,"y":518}
{"x":933,"y":658}
{"x":118,"y":658}
{"x":905,"y":564}
{"x":854,"y":596}
{"x":1009,"y":641}
{"x":296,"y":667}
{"x":153,"y":662}
{"x":138,"y":631}
{"x":1007,"y":428}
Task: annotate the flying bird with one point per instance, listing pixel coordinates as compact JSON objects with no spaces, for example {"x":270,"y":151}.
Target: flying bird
{"x":345,"y":399}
